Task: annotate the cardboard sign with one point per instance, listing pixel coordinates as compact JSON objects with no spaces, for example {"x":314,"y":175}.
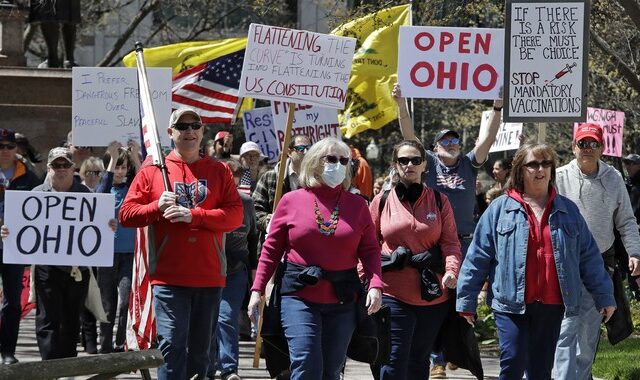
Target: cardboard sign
{"x":105,"y":104}
{"x":546,"y":60}
{"x":52,"y":228}
{"x":508,"y":137}
{"x":450,"y":63}
{"x":612,"y":123}
{"x":296,"y":66}
{"x":315,"y":122}
{"x":258,"y":127}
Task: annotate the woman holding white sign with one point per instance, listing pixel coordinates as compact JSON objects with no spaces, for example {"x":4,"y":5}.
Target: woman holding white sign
{"x":60,"y":290}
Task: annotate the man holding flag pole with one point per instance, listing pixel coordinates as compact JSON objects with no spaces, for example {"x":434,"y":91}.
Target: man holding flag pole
{"x":182,"y":213}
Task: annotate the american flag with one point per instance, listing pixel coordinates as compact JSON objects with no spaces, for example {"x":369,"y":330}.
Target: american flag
{"x":211,"y":88}
{"x":245,"y":183}
{"x":141,"y":324}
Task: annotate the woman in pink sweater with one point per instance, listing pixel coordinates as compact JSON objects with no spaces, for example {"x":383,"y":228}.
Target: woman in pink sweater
{"x":420,"y":260}
{"x":322,"y":231}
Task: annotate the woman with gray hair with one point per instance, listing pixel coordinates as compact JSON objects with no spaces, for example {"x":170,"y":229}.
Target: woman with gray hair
{"x":322,"y":231}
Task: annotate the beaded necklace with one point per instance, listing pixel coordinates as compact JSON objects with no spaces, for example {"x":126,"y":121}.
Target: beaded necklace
{"x":327,"y":228}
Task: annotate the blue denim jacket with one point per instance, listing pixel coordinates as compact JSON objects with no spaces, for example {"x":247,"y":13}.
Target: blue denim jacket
{"x":499,"y":252}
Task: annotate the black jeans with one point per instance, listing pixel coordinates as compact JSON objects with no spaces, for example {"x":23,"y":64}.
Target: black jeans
{"x":11,"y":306}
{"x":115,"y":287}
{"x":59,"y":298}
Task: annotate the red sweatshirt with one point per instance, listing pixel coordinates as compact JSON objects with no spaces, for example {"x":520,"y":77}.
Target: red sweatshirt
{"x":294,"y":231}
{"x":184,"y":254}
{"x":417,"y":227}
{"x":541,"y":277}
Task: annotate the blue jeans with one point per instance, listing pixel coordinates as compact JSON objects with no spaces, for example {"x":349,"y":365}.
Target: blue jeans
{"x":578,"y":341}
{"x":413,"y":332}
{"x":185,"y":319}
{"x":224,"y":343}
{"x":11,"y":306}
{"x":528,"y":341}
{"x":318,"y":337}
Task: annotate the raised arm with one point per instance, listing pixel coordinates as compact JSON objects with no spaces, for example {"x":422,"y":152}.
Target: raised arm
{"x":481,"y":150}
{"x":406,"y":123}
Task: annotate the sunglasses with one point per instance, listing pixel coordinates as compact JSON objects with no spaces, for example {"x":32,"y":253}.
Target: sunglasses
{"x":95,"y":173}
{"x":64,"y":165}
{"x":584,"y":144}
{"x":301,"y":148}
{"x":535,"y":165}
{"x":417,"y":160}
{"x":447,"y":142}
{"x":334,"y":159}
{"x":8,"y":146}
{"x":184,"y":126}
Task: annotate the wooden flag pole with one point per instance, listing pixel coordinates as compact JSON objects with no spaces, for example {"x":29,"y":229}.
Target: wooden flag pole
{"x":279,"y":185}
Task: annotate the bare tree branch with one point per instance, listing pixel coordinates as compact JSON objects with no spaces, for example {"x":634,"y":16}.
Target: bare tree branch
{"x":625,"y":69}
{"x":142,"y":13}
{"x":632,"y":9}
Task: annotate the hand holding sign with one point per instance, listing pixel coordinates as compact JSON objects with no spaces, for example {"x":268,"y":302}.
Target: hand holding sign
{"x":167,"y":198}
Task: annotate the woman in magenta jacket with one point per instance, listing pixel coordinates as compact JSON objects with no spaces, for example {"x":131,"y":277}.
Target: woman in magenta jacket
{"x":421,"y":259}
{"x":323,"y":231}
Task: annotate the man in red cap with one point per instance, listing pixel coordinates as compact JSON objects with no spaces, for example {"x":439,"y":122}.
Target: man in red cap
{"x":222,"y":144}
{"x":599,"y":192}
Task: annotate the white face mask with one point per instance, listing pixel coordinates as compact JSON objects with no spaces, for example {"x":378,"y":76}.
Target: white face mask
{"x":333,"y":174}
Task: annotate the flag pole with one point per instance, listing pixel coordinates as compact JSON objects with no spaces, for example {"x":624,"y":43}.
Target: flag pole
{"x":148,"y":122}
{"x":279,"y":185}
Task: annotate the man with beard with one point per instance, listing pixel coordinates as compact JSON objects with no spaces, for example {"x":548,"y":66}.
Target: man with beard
{"x":453,"y":174}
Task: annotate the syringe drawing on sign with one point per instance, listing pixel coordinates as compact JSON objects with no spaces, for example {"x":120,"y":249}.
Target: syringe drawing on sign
{"x":561,"y":73}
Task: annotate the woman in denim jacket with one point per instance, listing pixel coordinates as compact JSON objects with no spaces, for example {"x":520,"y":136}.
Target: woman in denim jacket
{"x":534,"y":248}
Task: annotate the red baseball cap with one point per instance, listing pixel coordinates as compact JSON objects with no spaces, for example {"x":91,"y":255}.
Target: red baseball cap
{"x":220,"y":135}
{"x":589,"y":130}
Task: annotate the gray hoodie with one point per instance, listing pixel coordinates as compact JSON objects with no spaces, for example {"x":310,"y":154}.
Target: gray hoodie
{"x":602,"y":199}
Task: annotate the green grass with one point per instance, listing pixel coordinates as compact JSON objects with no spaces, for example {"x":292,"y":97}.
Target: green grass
{"x":619,"y":362}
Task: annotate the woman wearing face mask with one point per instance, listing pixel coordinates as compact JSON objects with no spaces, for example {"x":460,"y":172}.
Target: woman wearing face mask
{"x":420,"y":262}
{"x":323,"y":231}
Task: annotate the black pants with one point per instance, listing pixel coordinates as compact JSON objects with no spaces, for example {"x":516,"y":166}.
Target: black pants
{"x":11,"y":306}
{"x":59,"y":298}
{"x":115,"y":287}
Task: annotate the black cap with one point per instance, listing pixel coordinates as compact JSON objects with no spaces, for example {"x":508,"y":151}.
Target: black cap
{"x":443,"y":133}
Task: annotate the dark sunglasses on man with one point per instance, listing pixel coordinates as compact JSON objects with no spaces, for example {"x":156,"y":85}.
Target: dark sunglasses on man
{"x":62,"y":165}
{"x":184,"y":126}
{"x":584,"y":144}
{"x":301,"y":148}
{"x":8,"y":146}
{"x":447,"y":142}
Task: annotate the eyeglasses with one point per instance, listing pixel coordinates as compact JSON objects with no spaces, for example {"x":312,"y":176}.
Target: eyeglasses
{"x":301,"y":148}
{"x":95,"y":173}
{"x":334,"y":159}
{"x":584,"y":144}
{"x":8,"y":146}
{"x":447,"y":142}
{"x":417,"y":160}
{"x":184,"y":126}
{"x":535,"y":165}
{"x":63,"y":165}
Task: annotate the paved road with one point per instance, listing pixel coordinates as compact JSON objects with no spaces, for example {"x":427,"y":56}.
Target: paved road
{"x":28,"y":351}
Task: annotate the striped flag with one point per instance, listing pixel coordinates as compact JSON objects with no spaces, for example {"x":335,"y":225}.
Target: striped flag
{"x":141,"y":326}
{"x":211,"y":88}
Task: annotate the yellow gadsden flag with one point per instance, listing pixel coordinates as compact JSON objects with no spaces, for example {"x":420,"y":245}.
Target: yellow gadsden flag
{"x":369,"y":103}
{"x":185,"y":55}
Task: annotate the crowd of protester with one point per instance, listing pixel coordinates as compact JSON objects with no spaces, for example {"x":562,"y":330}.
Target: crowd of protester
{"x":423,"y":239}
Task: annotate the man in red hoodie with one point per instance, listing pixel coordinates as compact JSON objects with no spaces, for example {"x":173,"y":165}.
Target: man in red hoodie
{"x":184,"y":230}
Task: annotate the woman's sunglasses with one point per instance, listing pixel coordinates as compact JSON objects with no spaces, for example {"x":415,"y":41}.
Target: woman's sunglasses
{"x":537,"y":164}
{"x":414,"y":160}
{"x":334,"y":159}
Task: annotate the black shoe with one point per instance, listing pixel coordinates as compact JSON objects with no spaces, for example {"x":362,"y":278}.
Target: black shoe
{"x":9,"y":359}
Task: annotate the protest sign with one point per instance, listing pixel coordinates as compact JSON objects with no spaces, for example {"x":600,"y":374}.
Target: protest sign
{"x":312,"y":121}
{"x":105,"y":104}
{"x":508,"y":136}
{"x":612,"y":123}
{"x":57,"y":228}
{"x":258,"y":127}
{"x":546,"y":60}
{"x":450,"y":63}
{"x":296,"y":66}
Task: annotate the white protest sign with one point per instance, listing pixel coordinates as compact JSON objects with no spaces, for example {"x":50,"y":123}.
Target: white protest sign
{"x":52,"y":228}
{"x":312,"y":121}
{"x":508,"y":137}
{"x":105,"y":104}
{"x":450,"y":63}
{"x":296,"y":66}
{"x":612,"y":123}
{"x":546,"y":60}
{"x":258,"y":127}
